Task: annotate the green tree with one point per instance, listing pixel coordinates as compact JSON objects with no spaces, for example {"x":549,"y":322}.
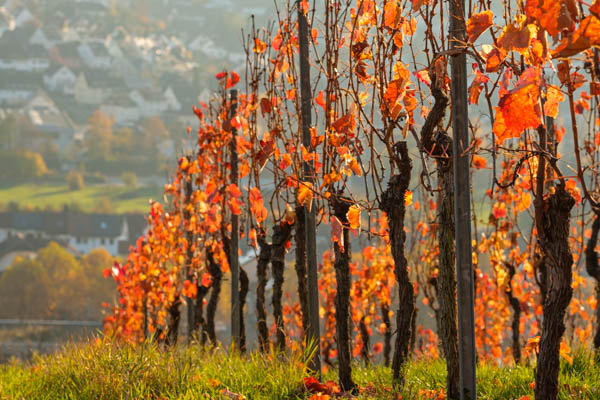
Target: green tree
{"x":99,"y":137}
{"x":129,"y":179}
{"x":25,"y":290}
{"x":74,"y":180}
{"x":21,"y":165}
{"x":8,"y":127}
{"x":154,"y":133}
{"x":100,"y":289}
{"x":69,"y":284}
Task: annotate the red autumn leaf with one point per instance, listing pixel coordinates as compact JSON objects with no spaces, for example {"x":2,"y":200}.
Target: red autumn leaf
{"x":232,"y":80}
{"x":221,"y":75}
{"x":344,"y":124}
{"x":499,"y":210}
{"x":233,"y":191}
{"x":479,"y":23}
{"x":394,"y":94}
{"x":320,"y":100}
{"x":257,"y":206}
{"x":493,"y":59}
{"x":206,"y":279}
{"x":377,"y":348}
{"x":423,"y":76}
{"x":555,"y":16}
{"x":234,"y":194}
{"x":519,"y":108}
{"x":416,"y":4}
{"x":477,"y":86}
{"x":198,"y":113}
{"x":266,"y":107}
{"x":266,"y":150}
{"x":312,"y":385}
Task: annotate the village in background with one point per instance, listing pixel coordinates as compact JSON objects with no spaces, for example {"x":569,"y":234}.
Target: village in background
{"x":95,"y":100}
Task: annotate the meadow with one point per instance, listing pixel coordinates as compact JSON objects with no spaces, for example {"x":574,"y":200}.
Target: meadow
{"x":103,"y":369}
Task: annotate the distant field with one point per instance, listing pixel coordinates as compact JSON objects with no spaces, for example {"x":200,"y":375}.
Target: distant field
{"x":122,"y":199}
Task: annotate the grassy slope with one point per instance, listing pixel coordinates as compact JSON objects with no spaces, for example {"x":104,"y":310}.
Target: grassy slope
{"x":105,"y":371}
{"x":123,"y":199}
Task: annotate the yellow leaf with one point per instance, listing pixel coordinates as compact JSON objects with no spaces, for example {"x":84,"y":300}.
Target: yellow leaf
{"x":408,"y":198}
{"x":305,"y":194}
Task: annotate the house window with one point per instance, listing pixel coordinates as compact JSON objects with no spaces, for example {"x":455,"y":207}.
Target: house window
{"x":103,"y":241}
{"x":111,"y":241}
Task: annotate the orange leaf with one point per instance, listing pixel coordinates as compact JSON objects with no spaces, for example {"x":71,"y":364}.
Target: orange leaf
{"x":479,"y":162}
{"x":565,"y":351}
{"x":189,"y":289}
{"x":479,"y":23}
{"x":524,"y":201}
{"x":320,"y":100}
{"x":553,"y":97}
{"x":555,"y":16}
{"x":519,"y":108}
{"x":391,"y":14}
{"x":305,"y":194}
{"x":253,"y":238}
{"x":257,"y":206}
{"x":259,"y":46}
{"x":344,"y":124}
{"x":206,"y":280}
{"x":232,"y":80}
{"x":304,"y":4}
{"x":353,"y":216}
{"x":476,"y":86}
{"x":586,"y":36}
{"x":493,"y":59}
{"x":515,"y":37}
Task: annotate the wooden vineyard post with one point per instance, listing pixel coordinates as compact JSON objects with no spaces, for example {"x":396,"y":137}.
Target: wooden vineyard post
{"x":313,"y":336}
{"x":462,"y":203}
{"x":233,"y":255}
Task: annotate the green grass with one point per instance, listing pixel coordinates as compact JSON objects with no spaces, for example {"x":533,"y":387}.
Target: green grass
{"x":122,"y":199}
{"x":104,"y":370}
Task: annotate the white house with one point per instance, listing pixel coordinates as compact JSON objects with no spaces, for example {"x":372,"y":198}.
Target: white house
{"x":23,"y":16}
{"x":61,"y":80}
{"x":84,"y":94}
{"x":95,"y":55}
{"x":14,"y":96}
{"x":31,"y":64}
{"x":171,"y":99}
{"x":80,"y":232}
{"x":40,"y":38}
{"x":149,"y":102}
{"x":208,"y":47}
{"x":122,"y":109}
